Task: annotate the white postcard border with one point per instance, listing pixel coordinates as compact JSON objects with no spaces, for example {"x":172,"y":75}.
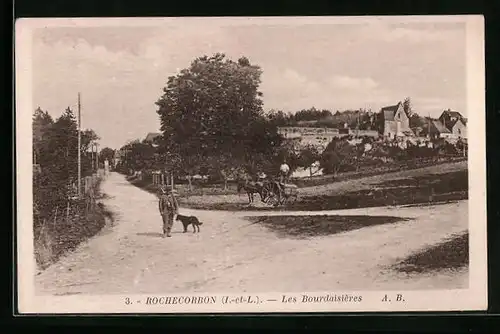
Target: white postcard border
{"x":474,"y":298}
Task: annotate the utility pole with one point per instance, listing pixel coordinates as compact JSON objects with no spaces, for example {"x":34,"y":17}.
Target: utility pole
{"x":92,"y":155}
{"x":79,"y":149}
{"x":96,"y":157}
{"x":429,"y":126}
{"x":172,"y":181}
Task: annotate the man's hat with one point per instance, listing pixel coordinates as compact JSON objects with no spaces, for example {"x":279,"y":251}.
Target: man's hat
{"x":167,"y":190}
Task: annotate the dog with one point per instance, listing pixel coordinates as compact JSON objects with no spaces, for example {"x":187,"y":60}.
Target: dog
{"x":189,"y":220}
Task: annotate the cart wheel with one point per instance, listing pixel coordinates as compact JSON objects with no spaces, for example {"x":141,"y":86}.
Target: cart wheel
{"x":283,"y":199}
{"x":265,"y":196}
{"x":272,"y":200}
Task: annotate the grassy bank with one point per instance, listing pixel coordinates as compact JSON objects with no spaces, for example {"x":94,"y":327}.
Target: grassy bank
{"x":200,"y":189}
{"x":68,"y":228}
{"x":423,"y":189}
{"x":452,"y":254}
{"x":375,"y":170}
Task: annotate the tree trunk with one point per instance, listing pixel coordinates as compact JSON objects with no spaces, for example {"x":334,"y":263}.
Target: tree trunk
{"x":225,"y":183}
{"x":190,"y":183}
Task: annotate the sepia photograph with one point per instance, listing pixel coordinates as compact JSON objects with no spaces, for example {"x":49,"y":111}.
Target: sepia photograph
{"x":251,"y":164}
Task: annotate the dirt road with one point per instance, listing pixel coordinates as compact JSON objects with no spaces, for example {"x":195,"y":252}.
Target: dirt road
{"x":233,"y":255}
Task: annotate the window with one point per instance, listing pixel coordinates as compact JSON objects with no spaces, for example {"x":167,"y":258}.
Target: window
{"x":459,"y":132}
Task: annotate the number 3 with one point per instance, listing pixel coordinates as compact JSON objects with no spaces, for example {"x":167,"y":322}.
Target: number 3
{"x":127,"y":301}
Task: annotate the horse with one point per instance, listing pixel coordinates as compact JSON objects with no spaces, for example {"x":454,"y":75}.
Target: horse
{"x":251,"y":188}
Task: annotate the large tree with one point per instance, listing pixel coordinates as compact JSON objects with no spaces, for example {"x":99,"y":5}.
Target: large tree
{"x":339,"y":155}
{"x":42,"y":122}
{"x":139,"y":155}
{"x":107,"y":154}
{"x":212,"y":111}
{"x":408,"y":107}
{"x":308,"y":156}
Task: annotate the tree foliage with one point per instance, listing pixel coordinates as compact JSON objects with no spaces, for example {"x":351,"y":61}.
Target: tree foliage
{"x":337,"y":156}
{"x":361,"y":118}
{"x":139,"y":155}
{"x":408,"y":107}
{"x":212,"y":111}
{"x":107,"y":154}
{"x":308,"y":156}
{"x":55,"y":146}
{"x":311,"y":114}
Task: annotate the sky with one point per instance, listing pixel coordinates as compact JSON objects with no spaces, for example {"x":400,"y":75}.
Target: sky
{"x":120,"y":71}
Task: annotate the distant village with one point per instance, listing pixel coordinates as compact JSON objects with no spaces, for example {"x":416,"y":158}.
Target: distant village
{"x":391,"y":124}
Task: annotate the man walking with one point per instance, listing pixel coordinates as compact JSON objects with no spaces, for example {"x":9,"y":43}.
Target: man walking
{"x":284,"y":170}
{"x":168,"y":209}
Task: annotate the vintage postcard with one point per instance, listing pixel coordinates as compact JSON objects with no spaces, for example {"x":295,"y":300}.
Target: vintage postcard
{"x":251,"y":164}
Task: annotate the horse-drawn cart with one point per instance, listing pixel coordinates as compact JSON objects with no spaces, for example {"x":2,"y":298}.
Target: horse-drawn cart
{"x":271,"y":191}
{"x":276,"y":193}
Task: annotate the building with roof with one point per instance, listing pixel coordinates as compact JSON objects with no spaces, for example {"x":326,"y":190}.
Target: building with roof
{"x":395,"y":122}
{"x":436,"y":129}
{"x":455,"y":123}
{"x":450,"y":125}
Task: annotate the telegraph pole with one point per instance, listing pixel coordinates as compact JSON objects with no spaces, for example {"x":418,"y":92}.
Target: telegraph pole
{"x":429,"y":126}
{"x":79,"y":149}
{"x":96,"y":158}
{"x":92,"y":155}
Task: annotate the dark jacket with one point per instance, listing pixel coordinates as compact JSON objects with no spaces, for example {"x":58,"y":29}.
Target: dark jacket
{"x":167,"y":204}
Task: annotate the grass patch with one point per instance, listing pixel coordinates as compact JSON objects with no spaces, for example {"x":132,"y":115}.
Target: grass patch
{"x":312,"y":226}
{"x":56,"y":237}
{"x":452,"y":254}
{"x":373,"y":171}
{"x":182,"y":188}
{"x":202,"y":189}
{"x":421,"y":190}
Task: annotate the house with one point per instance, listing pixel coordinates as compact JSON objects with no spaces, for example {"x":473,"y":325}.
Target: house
{"x":455,"y":123}
{"x":436,"y":129}
{"x":395,"y":122}
{"x":152,"y":137}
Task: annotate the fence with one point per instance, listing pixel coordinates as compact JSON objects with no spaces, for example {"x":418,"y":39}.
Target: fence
{"x":76,"y":205}
{"x":160,"y":178}
{"x":88,"y":186}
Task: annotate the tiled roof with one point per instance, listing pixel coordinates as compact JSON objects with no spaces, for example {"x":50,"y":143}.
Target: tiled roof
{"x":389,"y":111}
{"x":453,"y":113}
{"x":439,"y":127}
{"x":452,"y":124}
